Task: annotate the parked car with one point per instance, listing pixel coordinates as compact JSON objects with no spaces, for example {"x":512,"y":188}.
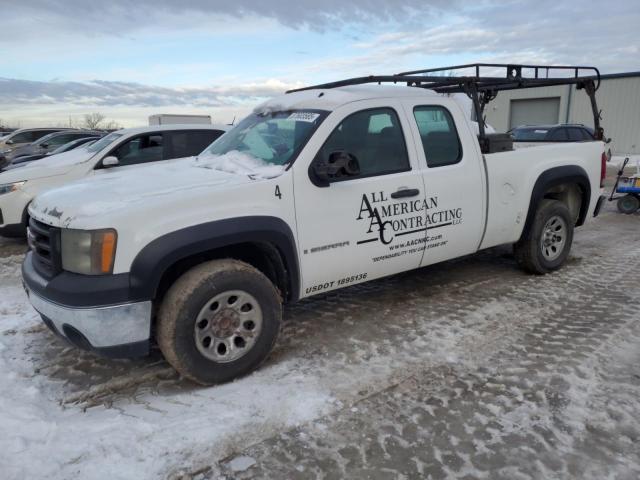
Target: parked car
{"x":4,"y":132}
{"x":47,"y":144}
{"x":24,"y":136}
{"x":316,"y":190}
{"x":532,"y":135}
{"x":73,"y":144}
{"x":119,"y":150}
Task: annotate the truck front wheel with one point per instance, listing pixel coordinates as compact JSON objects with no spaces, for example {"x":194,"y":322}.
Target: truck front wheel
{"x":545,"y":247}
{"x":219,"y":321}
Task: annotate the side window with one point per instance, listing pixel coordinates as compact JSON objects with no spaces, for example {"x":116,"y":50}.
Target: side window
{"x":439,"y":136}
{"x":61,"y":140}
{"x":375,"y":138}
{"x":24,"y":137}
{"x":190,"y":143}
{"x":575,"y":135}
{"x":143,"y":149}
{"x":558,"y":135}
{"x":38,"y":134}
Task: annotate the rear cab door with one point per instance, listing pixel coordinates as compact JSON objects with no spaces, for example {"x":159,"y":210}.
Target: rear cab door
{"x":368,"y":225}
{"x":454,"y":177}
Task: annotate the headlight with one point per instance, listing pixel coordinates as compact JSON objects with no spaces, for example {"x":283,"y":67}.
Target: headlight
{"x":6,"y":150}
{"x":89,"y":252}
{"x":10,"y":187}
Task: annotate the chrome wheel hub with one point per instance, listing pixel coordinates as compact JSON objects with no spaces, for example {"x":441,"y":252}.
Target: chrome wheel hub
{"x":228,"y":326}
{"x":554,"y":238}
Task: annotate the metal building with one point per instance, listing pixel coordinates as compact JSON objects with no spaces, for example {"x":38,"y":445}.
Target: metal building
{"x":618,"y":99}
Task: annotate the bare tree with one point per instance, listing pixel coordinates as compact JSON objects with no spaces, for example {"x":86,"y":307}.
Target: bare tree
{"x":112,"y":125}
{"x":93,"y":120}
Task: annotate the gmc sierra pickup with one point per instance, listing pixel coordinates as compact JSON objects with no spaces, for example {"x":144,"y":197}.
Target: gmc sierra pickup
{"x":314,"y":191}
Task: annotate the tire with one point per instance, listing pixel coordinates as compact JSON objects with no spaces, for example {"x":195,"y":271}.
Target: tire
{"x":546,"y":245}
{"x":628,"y":204}
{"x":220,"y":302}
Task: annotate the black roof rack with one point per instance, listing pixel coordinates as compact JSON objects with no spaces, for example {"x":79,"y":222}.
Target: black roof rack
{"x":482,"y":82}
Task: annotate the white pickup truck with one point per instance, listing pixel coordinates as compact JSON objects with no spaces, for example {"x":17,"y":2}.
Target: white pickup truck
{"x":123,"y":150}
{"x":314,"y":191}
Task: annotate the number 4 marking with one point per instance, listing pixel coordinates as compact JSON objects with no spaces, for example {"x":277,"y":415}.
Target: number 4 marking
{"x":278,"y":194}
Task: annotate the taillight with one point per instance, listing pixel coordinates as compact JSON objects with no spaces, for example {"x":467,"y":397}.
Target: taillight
{"x":603,"y":169}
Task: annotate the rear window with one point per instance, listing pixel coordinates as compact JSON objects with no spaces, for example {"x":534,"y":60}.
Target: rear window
{"x":529,"y":134}
{"x":575,"y":135}
{"x":190,"y":143}
{"x":559,"y":135}
{"x":439,"y":136}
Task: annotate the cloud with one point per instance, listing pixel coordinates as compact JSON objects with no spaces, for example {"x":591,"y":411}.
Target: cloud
{"x":544,"y":32}
{"x":100,"y":93}
{"x":118,"y":17}
{"x":128,"y":41}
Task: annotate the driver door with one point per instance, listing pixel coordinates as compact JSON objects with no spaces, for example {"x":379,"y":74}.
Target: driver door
{"x":141,"y":149}
{"x":366,"y":225}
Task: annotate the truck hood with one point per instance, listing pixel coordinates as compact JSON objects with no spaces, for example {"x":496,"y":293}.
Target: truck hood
{"x":140,"y":186}
{"x":46,"y":167}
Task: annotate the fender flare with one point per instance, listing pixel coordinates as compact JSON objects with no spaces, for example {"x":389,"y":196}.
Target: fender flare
{"x":151,"y":263}
{"x":554,"y":177}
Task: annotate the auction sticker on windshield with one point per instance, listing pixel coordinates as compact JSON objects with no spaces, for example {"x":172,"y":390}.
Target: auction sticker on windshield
{"x":304,"y":116}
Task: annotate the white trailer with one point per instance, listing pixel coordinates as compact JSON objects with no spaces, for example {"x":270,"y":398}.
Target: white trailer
{"x":166,"y":118}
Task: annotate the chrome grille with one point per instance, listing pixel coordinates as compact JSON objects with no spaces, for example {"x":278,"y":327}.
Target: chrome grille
{"x":44,"y":241}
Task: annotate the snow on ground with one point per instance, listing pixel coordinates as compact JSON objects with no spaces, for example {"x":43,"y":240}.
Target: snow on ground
{"x":71,"y":428}
{"x":451,"y":331}
{"x":40,"y":438}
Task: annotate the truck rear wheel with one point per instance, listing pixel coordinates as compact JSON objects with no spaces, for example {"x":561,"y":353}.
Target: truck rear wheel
{"x":546,"y":246}
{"x":219,"y":321}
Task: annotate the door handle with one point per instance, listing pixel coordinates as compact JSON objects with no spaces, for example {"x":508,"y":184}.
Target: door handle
{"x":405,"y":192}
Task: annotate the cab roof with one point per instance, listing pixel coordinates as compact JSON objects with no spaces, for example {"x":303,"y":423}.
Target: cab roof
{"x":332,"y":98}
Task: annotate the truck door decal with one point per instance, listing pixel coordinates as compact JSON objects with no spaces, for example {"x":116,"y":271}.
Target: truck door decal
{"x":385,"y":221}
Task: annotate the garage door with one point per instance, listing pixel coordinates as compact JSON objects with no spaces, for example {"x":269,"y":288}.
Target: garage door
{"x":535,"y":111}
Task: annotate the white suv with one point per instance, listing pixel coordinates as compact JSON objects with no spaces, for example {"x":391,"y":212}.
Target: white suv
{"x":123,"y":149}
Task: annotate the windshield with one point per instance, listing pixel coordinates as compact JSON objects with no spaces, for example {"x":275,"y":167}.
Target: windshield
{"x":529,"y":134}
{"x":264,"y":140}
{"x":69,"y":145}
{"x":103,"y":142}
{"x":46,"y":138}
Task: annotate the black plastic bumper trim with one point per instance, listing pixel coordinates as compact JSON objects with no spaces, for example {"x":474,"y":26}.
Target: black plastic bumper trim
{"x":74,"y":290}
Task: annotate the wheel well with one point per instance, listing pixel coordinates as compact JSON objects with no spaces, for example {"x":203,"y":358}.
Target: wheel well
{"x":568,"y":184}
{"x":571,"y":194}
{"x":265,"y":257}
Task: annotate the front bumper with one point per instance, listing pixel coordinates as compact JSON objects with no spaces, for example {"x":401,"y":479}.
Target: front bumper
{"x":118,"y":330}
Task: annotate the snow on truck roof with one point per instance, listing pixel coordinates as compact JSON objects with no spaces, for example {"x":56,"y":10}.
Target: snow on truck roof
{"x":332,"y":98}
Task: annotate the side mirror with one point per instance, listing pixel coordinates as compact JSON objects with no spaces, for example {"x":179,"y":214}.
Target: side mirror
{"x":110,"y":161}
{"x":9,"y":142}
{"x":341,"y":164}
{"x":44,"y":145}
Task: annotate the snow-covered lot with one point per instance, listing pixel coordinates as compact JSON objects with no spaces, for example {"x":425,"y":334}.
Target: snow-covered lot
{"x":469,"y":369}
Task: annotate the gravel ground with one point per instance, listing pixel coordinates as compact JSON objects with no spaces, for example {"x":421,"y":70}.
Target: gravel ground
{"x":468,"y":369}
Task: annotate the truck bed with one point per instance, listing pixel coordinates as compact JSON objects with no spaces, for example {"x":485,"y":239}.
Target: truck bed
{"x":511,"y":177}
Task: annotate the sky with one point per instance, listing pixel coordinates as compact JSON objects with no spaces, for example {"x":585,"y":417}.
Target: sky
{"x":128,"y":59}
